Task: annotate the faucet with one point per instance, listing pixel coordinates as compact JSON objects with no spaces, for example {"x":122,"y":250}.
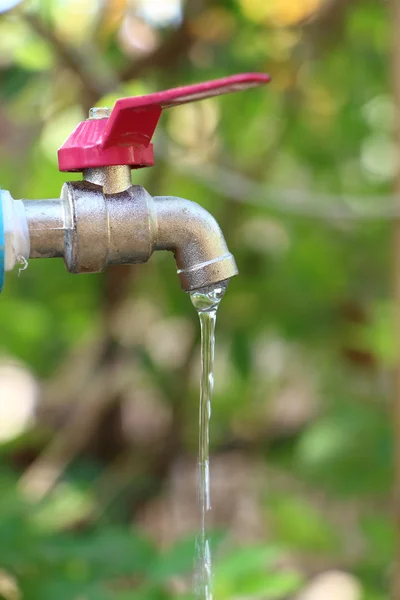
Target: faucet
{"x":105,"y":220}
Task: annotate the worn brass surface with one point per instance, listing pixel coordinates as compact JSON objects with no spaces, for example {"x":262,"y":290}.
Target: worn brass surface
{"x":196,"y":239}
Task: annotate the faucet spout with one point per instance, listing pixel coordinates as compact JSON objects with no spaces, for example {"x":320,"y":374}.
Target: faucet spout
{"x":196,"y":240}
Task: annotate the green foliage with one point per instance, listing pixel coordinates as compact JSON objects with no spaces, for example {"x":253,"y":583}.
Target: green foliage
{"x":298,"y":525}
{"x":113,"y":561}
{"x":316,"y":145}
{"x":252,"y":572}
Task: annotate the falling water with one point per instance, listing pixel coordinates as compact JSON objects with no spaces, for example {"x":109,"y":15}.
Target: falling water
{"x":206,"y":302}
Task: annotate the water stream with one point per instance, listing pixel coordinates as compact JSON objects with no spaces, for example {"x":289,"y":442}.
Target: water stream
{"x":206,"y":302}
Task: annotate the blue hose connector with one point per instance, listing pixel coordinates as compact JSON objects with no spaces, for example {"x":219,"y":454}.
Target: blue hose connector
{"x":2,"y":242}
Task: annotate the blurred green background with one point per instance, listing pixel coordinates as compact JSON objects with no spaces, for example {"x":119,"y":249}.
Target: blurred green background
{"x":99,"y":373}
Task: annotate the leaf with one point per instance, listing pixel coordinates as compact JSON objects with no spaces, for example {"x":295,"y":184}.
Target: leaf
{"x":252,"y":571}
{"x":104,"y":554}
{"x":299,"y":525}
{"x":177,"y":561}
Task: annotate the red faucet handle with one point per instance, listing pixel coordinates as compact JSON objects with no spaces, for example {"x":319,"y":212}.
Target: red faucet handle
{"x":125,"y":137}
{"x":133,"y":120}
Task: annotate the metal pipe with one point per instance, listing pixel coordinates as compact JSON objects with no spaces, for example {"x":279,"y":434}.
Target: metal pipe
{"x":46,"y":227}
{"x":113,"y":179}
{"x":196,"y":239}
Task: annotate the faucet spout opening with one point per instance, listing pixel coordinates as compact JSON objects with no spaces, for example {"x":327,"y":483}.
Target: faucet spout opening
{"x":196,"y":240}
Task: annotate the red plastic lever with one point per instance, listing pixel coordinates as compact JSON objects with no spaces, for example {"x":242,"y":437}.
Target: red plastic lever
{"x":125,"y":137}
